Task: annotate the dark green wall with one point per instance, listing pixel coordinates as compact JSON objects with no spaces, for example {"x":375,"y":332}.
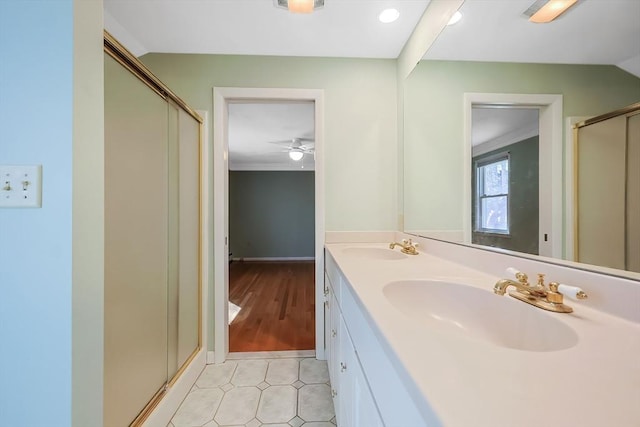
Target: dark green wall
{"x":271,"y":214}
{"x":523,"y":199}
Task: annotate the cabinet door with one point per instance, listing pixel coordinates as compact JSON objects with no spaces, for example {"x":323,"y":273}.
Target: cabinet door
{"x":357,"y":407}
{"x":365,"y":411}
{"x":346,"y":357}
{"x":327,"y":317}
{"x":334,"y":354}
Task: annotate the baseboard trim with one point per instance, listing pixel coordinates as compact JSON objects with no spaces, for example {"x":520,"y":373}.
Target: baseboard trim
{"x":271,"y":354}
{"x":211,"y":358}
{"x":300,"y":258}
{"x":162,"y":414}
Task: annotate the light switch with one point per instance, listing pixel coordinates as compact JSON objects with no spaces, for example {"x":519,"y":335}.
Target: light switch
{"x":20,"y":186}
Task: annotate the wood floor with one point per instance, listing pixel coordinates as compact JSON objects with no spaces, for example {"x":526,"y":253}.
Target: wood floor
{"x":278,"y":306}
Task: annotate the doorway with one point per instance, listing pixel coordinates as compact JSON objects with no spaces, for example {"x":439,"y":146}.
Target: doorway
{"x":271,"y":225}
{"x":505,"y":177}
{"x":224,"y":100}
{"x":550,"y":236}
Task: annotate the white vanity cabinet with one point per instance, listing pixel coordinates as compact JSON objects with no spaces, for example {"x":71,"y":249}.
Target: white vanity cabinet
{"x":365,"y":387}
{"x":353,"y":402}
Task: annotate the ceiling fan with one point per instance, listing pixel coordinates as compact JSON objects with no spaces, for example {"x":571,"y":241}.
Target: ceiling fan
{"x":297,"y":147}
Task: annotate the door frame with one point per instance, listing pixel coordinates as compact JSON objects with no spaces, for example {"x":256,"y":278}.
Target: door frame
{"x":550,"y":160}
{"x":222,"y":96}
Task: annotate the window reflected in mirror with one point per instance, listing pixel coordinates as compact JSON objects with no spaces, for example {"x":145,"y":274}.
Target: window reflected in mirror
{"x":492,"y":195}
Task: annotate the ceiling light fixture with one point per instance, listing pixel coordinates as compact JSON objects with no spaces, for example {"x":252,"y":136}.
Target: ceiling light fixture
{"x":295,"y":155}
{"x":455,"y":18}
{"x":388,"y":15}
{"x":544,"y":11}
{"x":299,"y":6}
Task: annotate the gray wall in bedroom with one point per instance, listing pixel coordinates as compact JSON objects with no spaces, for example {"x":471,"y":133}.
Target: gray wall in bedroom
{"x":523,"y":199}
{"x":271,"y":214}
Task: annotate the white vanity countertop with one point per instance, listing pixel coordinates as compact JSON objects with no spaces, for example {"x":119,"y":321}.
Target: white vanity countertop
{"x":473,"y":383}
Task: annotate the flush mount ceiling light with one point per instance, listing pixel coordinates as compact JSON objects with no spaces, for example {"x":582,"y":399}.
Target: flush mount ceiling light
{"x":455,"y":18}
{"x":295,"y":155}
{"x":388,"y":15}
{"x":543,"y":11}
{"x":299,"y":6}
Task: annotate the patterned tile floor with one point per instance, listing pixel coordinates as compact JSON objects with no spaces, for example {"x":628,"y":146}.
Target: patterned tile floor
{"x":283,"y":392}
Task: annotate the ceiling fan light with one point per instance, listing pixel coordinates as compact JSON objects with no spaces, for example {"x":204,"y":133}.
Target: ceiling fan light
{"x":542,"y":12}
{"x":296,"y":155}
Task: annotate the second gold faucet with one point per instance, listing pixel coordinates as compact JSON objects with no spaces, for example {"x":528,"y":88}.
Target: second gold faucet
{"x":407,"y":247}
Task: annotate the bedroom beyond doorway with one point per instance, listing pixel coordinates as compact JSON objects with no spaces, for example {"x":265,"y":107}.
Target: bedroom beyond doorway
{"x":277,"y":306}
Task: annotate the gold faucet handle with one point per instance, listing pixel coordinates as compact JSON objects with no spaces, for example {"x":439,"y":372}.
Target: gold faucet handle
{"x":519,"y":275}
{"x":522,"y":278}
{"x":572,"y":292}
{"x":541,"y":281}
{"x":553,"y":295}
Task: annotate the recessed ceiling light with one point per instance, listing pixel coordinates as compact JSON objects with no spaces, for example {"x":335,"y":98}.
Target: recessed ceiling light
{"x":455,"y":18}
{"x":388,"y":15}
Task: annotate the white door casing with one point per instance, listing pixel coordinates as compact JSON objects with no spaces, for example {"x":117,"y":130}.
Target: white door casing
{"x":221,"y":98}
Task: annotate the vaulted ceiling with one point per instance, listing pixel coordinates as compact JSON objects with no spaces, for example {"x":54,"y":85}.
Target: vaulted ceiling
{"x":590,"y":32}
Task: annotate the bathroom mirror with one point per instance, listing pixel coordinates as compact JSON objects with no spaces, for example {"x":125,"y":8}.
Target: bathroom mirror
{"x":462,"y":70}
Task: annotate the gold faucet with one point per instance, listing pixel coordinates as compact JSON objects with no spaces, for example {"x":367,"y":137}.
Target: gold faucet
{"x":407,"y":247}
{"x":538,"y":295}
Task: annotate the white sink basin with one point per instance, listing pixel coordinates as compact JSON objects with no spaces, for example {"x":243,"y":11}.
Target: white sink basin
{"x":375,"y":253}
{"x":480,"y":315}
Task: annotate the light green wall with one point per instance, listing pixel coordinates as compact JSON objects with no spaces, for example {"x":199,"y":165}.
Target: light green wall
{"x":271,"y":214}
{"x":360,"y":116}
{"x":434,"y":114}
{"x":360,"y":139}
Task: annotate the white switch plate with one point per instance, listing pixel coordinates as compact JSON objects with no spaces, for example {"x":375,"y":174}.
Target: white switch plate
{"x":20,"y":186}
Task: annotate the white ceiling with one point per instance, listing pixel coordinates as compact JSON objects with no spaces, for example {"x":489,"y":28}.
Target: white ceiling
{"x":503,"y":126}
{"x":591,"y":32}
{"x":253,"y":125}
{"x":342,"y":28}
